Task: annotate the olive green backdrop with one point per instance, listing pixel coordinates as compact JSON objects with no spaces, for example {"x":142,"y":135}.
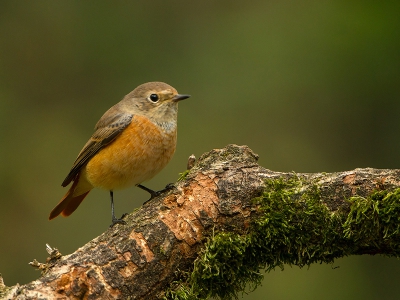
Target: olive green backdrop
{"x":310,"y":86}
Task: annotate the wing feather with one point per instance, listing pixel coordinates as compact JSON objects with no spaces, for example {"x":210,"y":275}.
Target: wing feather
{"x":106,"y":131}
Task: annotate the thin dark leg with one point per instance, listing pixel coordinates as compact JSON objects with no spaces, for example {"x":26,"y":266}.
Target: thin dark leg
{"x":114,"y":220}
{"x":154,"y":194}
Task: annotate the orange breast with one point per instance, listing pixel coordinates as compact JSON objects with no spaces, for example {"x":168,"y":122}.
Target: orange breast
{"x":141,"y":151}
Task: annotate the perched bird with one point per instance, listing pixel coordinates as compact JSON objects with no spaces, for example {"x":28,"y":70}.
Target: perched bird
{"x":132,"y":142}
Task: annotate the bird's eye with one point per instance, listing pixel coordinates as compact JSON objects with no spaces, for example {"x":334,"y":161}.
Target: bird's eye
{"x":154,"y":97}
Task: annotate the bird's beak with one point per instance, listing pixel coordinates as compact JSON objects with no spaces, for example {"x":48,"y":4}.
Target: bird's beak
{"x":179,"y":97}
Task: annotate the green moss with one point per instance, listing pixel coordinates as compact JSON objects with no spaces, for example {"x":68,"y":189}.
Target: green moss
{"x":374,"y":222}
{"x":181,"y":292}
{"x":294,"y":227}
{"x":182,"y":176}
{"x":219,"y":271}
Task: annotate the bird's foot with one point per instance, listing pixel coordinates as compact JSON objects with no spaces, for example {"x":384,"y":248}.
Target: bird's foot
{"x":154,"y":194}
{"x":115,"y":220}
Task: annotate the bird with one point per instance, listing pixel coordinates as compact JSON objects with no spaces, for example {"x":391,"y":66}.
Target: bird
{"x":132,"y":142}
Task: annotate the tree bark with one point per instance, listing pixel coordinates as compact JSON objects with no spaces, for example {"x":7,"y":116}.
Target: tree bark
{"x":141,"y":259}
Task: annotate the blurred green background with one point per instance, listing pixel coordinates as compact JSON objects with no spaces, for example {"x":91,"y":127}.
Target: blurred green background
{"x":309,"y":86}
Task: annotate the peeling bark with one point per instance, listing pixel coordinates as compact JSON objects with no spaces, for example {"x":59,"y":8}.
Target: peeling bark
{"x":139,"y":260}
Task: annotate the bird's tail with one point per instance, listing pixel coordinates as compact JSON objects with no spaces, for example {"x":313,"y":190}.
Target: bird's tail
{"x":70,"y":202}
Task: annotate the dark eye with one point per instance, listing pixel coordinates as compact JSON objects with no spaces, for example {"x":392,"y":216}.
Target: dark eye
{"x":153,"y":97}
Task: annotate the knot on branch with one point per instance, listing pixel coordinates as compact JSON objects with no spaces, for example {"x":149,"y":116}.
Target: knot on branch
{"x":224,"y":158}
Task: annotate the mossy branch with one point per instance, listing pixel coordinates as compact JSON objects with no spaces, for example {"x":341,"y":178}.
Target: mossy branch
{"x":223,"y":223}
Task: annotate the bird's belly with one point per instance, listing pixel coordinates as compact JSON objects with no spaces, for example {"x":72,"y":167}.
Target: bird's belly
{"x":141,"y":151}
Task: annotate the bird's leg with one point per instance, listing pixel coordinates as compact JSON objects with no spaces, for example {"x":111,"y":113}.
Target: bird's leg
{"x":114,"y":220}
{"x":154,"y":194}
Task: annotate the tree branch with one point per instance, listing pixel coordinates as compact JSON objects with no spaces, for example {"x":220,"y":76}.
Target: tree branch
{"x":227,"y":219}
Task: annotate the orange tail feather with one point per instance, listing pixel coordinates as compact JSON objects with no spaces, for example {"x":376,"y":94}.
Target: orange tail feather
{"x":73,"y":204}
{"x":68,"y":204}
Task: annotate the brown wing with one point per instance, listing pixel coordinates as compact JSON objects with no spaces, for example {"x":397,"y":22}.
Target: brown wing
{"x":106,"y":131}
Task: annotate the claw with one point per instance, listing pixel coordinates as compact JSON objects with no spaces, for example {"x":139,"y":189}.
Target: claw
{"x":154,"y":194}
{"x":118,"y":221}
